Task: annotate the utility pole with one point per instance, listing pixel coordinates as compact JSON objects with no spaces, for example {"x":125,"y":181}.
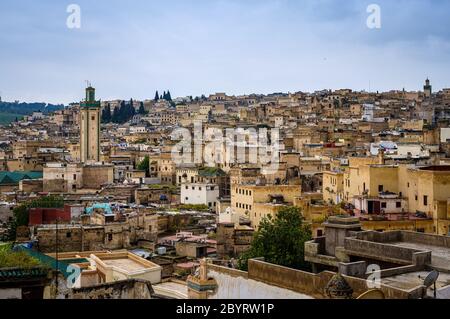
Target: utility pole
{"x":56,"y":255}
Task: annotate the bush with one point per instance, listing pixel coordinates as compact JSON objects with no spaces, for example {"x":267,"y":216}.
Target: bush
{"x":12,"y":259}
{"x":280,"y":240}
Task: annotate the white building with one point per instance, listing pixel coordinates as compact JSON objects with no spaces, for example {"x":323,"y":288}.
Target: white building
{"x":200,"y":194}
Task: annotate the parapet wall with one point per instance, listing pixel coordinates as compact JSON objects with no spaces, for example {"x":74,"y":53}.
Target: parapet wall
{"x":379,"y":251}
{"x":427,"y":239}
{"x":314,"y":284}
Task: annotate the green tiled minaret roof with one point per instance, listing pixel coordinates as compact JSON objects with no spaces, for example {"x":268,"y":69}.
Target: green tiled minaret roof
{"x":90,"y":101}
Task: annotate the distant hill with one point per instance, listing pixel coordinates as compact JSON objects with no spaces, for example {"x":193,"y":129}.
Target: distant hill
{"x":9,"y":111}
{"x":28,"y":108}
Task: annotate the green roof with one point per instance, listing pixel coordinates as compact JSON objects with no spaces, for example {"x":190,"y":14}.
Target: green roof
{"x":211,"y":172}
{"x":15,"y":177}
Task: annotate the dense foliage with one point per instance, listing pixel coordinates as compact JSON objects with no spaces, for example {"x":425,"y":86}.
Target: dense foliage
{"x":12,"y":259}
{"x":28,"y":108}
{"x":280,"y":240}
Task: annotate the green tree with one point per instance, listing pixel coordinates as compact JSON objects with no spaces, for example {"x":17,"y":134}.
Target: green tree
{"x":106,"y":114}
{"x":116,"y":115}
{"x":144,"y":165}
{"x":156,"y":96}
{"x":141,"y":108}
{"x":167,"y":96}
{"x":280,"y":240}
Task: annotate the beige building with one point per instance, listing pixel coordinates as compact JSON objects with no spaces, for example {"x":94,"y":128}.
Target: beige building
{"x":68,"y":178}
{"x":256,"y":202}
{"x":333,"y":187}
{"x":399,"y":189}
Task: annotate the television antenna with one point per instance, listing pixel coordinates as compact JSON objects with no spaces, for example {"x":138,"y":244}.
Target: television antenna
{"x":430,"y":280}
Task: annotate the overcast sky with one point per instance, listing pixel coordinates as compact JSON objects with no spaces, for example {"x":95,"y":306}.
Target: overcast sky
{"x":129,"y":49}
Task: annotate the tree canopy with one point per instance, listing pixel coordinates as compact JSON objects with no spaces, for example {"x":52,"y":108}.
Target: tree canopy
{"x":106,"y":114}
{"x":280,"y":240}
{"x":123,"y":113}
{"x":144,"y":165}
{"x":141,"y":109}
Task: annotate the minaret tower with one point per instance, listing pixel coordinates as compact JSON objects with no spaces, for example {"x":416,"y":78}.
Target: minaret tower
{"x":90,"y":128}
{"x":427,"y":89}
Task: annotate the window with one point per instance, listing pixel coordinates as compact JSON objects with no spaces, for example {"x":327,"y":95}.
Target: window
{"x":68,"y":235}
{"x":75,"y":177}
{"x":383,"y":205}
{"x":380,"y":188}
{"x":110,"y":237}
{"x":398,"y":204}
{"x":425,"y":200}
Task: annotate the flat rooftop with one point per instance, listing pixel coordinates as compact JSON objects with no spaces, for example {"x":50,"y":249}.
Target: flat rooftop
{"x":171,"y":289}
{"x":125,"y":264}
{"x":412,"y":280}
{"x":440,"y":256}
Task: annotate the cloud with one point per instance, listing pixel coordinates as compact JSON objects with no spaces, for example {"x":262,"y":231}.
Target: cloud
{"x":201,"y":46}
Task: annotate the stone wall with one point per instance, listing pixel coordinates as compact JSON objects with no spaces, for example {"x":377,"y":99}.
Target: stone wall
{"x":379,"y":251}
{"x":127,"y":289}
{"x":314,"y":284}
{"x":96,"y":176}
{"x":31,"y":186}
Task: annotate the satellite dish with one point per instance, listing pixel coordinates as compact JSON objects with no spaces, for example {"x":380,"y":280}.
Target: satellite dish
{"x":372,"y":294}
{"x":430,"y":280}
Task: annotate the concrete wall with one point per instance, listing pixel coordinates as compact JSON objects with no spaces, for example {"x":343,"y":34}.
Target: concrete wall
{"x":127,"y":289}
{"x":235,"y":284}
{"x":314,"y":285}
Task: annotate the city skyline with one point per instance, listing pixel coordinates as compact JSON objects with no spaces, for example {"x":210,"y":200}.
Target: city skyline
{"x":203,"y":47}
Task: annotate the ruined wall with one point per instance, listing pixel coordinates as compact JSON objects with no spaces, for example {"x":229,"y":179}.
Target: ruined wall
{"x":127,"y":289}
